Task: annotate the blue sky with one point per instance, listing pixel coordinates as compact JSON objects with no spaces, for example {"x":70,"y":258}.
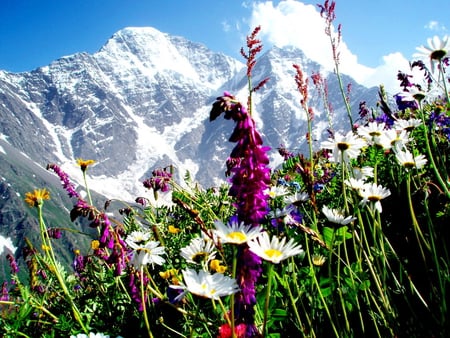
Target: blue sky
{"x":375,"y":33}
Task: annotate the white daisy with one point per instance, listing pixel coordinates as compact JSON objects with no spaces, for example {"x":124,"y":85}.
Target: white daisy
{"x":397,"y":138}
{"x":375,"y":133}
{"x":362,"y":173}
{"x":407,"y":125}
{"x":373,"y":193}
{"x":207,"y":285}
{"x":235,"y":233}
{"x":355,"y":183}
{"x":198,"y":251}
{"x":346,"y":146}
{"x":149,"y":253}
{"x":276,"y":191}
{"x":406,"y":159}
{"x":91,"y":335}
{"x":284,"y":214}
{"x":436,"y":50}
{"x":274,"y":250}
{"x":336,"y":216}
{"x":373,"y":129}
{"x":296,"y":198}
{"x":137,"y":238}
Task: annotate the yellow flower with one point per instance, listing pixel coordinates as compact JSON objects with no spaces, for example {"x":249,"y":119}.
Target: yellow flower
{"x":37,"y":197}
{"x":171,"y":273}
{"x":95,"y":244}
{"x":84,"y":163}
{"x":215,"y":266}
{"x":45,"y":247}
{"x":318,"y":260}
{"x":173,"y":230}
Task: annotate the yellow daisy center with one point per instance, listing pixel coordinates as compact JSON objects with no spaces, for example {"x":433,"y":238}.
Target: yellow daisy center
{"x":273,"y":253}
{"x":237,"y":237}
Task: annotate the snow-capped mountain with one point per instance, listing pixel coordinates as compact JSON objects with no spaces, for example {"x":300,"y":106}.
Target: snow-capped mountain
{"x":143,"y":100}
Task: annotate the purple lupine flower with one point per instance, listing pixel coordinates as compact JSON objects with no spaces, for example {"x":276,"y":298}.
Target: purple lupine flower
{"x":141,"y":200}
{"x":404,"y":80}
{"x":248,"y":164}
{"x":67,"y":185}
{"x":12,"y":264}
{"x":160,"y":180}
{"x":135,"y":290}
{"x":284,"y":152}
{"x":4,"y":296}
{"x":79,"y":263}
{"x":54,"y":233}
{"x":111,"y":239}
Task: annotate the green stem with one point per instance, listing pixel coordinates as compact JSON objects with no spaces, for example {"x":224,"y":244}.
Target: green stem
{"x":341,"y":298}
{"x":48,"y":249}
{"x":341,"y":86}
{"x":144,"y":304}
{"x":266,"y":304}
{"x":232,"y":299}
{"x":418,"y":232}
{"x":439,"y":270}
{"x":87,"y":188}
{"x":294,"y":306}
{"x":441,"y":182}
{"x":444,"y":82}
{"x":316,"y":283}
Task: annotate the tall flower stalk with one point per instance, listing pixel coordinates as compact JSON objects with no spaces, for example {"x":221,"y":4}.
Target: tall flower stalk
{"x":327,"y":11}
{"x":36,"y":199}
{"x":250,"y":179}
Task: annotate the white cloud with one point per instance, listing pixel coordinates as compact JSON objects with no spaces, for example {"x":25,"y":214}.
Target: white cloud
{"x":435,"y":26}
{"x":297,"y":24}
{"x":226,"y":26}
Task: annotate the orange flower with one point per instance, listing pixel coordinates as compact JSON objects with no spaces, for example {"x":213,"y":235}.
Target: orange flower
{"x":84,"y":163}
{"x":37,"y":197}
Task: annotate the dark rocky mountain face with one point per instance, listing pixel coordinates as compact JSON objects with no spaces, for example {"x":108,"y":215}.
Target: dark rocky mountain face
{"x":143,"y":101}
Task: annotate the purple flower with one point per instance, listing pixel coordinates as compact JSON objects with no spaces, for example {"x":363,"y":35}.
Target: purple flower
{"x":12,"y":264}
{"x":248,"y":165}
{"x":68,"y":186}
{"x":54,"y":233}
{"x":134,"y":287}
{"x":405,"y":101}
{"x":160,"y":180}
{"x":79,"y":263}
{"x":5,"y":293}
{"x":442,"y":121}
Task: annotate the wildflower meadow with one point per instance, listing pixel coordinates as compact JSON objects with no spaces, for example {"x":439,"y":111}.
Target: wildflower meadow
{"x":349,"y":239}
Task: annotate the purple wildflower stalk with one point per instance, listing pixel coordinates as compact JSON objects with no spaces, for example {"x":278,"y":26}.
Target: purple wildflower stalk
{"x":4,"y":293}
{"x":12,"y":264}
{"x":250,"y":179}
{"x":68,"y":186}
{"x":248,"y":165}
